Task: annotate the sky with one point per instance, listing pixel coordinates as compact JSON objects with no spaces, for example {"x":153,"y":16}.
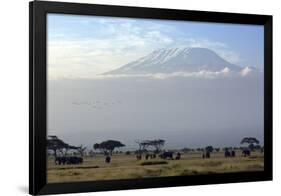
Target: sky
{"x":185,"y":109}
{"x":91,"y":45}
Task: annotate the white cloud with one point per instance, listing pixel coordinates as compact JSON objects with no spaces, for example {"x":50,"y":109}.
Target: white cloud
{"x":225,"y":71}
{"x":246,"y":71}
{"x":94,"y":55}
{"x":204,"y":74}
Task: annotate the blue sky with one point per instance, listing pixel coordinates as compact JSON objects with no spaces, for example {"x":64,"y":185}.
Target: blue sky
{"x":88,"y":45}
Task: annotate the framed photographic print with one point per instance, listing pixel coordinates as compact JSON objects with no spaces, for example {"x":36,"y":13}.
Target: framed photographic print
{"x":130,"y":97}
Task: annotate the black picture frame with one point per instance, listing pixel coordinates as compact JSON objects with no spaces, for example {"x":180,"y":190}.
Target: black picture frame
{"x":37,"y":96}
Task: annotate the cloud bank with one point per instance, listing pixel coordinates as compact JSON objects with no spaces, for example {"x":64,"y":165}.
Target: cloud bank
{"x":185,"y":111}
{"x":203,"y":74}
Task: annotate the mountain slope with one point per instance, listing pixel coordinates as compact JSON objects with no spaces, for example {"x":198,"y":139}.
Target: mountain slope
{"x":177,"y":60}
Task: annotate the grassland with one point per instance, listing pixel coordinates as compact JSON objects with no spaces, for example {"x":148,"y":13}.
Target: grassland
{"x":126,"y":167}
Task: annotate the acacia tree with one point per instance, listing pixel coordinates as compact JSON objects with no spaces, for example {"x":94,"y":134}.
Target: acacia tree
{"x":108,"y":146}
{"x":209,"y":149}
{"x":55,"y":144}
{"x":96,"y":146}
{"x":157,"y":144}
{"x":91,"y":153}
{"x":251,"y":141}
{"x":141,"y":147}
{"x":63,"y":151}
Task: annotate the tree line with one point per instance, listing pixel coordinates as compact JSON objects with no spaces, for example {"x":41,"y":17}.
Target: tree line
{"x":107,"y":147}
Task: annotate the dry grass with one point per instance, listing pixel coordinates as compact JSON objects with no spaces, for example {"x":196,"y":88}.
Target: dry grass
{"x":153,"y":163}
{"x":127,"y":167}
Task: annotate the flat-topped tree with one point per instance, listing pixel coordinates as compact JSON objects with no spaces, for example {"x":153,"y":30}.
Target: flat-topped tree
{"x":251,"y":141}
{"x":55,"y":144}
{"x":96,"y":146}
{"x":108,"y":146}
{"x":209,"y":149}
{"x":144,"y":144}
{"x":157,"y":144}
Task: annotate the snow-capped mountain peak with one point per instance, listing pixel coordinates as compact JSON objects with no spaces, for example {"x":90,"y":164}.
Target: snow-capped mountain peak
{"x":173,"y":60}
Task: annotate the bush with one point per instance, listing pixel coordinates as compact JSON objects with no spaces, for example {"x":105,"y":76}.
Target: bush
{"x":154,"y":163}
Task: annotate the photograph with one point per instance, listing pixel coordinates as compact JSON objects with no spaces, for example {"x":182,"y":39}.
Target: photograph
{"x":134,"y":98}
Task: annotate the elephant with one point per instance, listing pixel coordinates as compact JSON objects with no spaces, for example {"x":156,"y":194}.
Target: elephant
{"x":167,"y":155}
{"x":233,"y":153}
{"x":147,"y":156}
{"x":138,"y":156}
{"x":69,"y":160}
{"x":107,"y":159}
{"x":246,"y":152}
{"x":178,"y":157}
{"x":208,"y":155}
{"x":203,"y":156}
{"x":151,"y":156}
{"x":227,"y":153}
{"x":74,"y":160}
{"x":60,"y":160}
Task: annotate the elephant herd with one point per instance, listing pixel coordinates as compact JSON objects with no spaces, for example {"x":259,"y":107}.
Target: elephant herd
{"x":164,"y":155}
{"x":227,"y":153}
{"x":205,"y":155}
{"x":68,"y":160}
{"x":147,"y":156}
